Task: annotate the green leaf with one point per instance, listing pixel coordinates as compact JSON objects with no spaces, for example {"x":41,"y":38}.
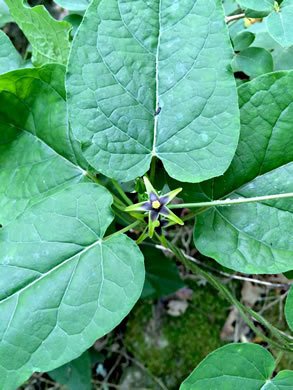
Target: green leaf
{"x":280,"y":24}
{"x":48,"y":37}
{"x":37,"y":153}
{"x":289,"y":308}
{"x":283,"y":58}
{"x":74,"y":5}
{"x":256,"y":237}
{"x":254,"y":61}
{"x":162,"y":276}
{"x":59,"y":285}
{"x":74,"y":20}
{"x":230,"y":6}
{"x":238,"y":366}
{"x":131,"y":57}
{"x":5,"y":16}
{"x":10,"y":59}
{"x":242,"y":40}
{"x":257,"y":5}
{"x":75,"y":375}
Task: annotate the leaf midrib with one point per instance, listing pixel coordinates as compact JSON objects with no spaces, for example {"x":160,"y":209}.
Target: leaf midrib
{"x":80,"y":253}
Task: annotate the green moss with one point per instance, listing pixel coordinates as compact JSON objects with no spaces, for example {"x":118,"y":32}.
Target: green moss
{"x":171,"y":347}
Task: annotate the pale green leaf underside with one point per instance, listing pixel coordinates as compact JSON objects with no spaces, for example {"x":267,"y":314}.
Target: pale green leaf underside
{"x":238,"y":366}
{"x":37,"y":154}
{"x":74,"y":5}
{"x":48,"y":37}
{"x":75,"y":375}
{"x":59,"y":285}
{"x":10,"y":59}
{"x":255,"y":238}
{"x":131,"y":57}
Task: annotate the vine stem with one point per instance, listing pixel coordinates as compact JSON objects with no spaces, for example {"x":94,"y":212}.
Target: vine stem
{"x":241,"y":308}
{"x":153,"y":169}
{"x":231,"y":202}
{"x":124,"y":230}
{"x":121,"y":192}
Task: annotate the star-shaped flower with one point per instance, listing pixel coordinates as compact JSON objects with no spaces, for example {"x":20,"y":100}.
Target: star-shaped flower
{"x":156,"y":206}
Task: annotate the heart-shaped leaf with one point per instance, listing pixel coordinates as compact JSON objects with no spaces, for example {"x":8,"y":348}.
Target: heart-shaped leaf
{"x":238,"y":366}
{"x":48,"y":37}
{"x":255,"y":237}
{"x":10,"y":59}
{"x":62,"y":285}
{"x":152,"y":78}
{"x":37,"y":152}
{"x":280,"y":24}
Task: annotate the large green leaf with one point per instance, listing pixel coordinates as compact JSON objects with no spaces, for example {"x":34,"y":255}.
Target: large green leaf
{"x":131,"y":57}
{"x":74,"y":5}
{"x":75,"y":375}
{"x":258,"y":5}
{"x":62,"y":286}
{"x":48,"y":37}
{"x":37,"y":154}
{"x":238,"y":366}
{"x":10,"y":59}
{"x":256,"y":237}
{"x":280,"y":24}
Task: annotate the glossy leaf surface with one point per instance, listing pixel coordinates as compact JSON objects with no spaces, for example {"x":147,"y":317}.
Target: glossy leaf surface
{"x":48,"y":37}
{"x":62,"y":286}
{"x":238,"y":366}
{"x":153,"y":78}
{"x":255,"y":237}
{"x":37,"y":153}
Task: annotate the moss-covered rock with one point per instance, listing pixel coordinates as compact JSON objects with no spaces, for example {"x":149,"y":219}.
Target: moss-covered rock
{"x":171,"y":347}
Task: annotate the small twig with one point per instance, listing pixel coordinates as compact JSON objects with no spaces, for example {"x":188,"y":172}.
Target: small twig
{"x":97,"y":382}
{"x":234,"y":17}
{"x":113,"y":368}
{"x":231,"y":276}
{"x":142,"y":367}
